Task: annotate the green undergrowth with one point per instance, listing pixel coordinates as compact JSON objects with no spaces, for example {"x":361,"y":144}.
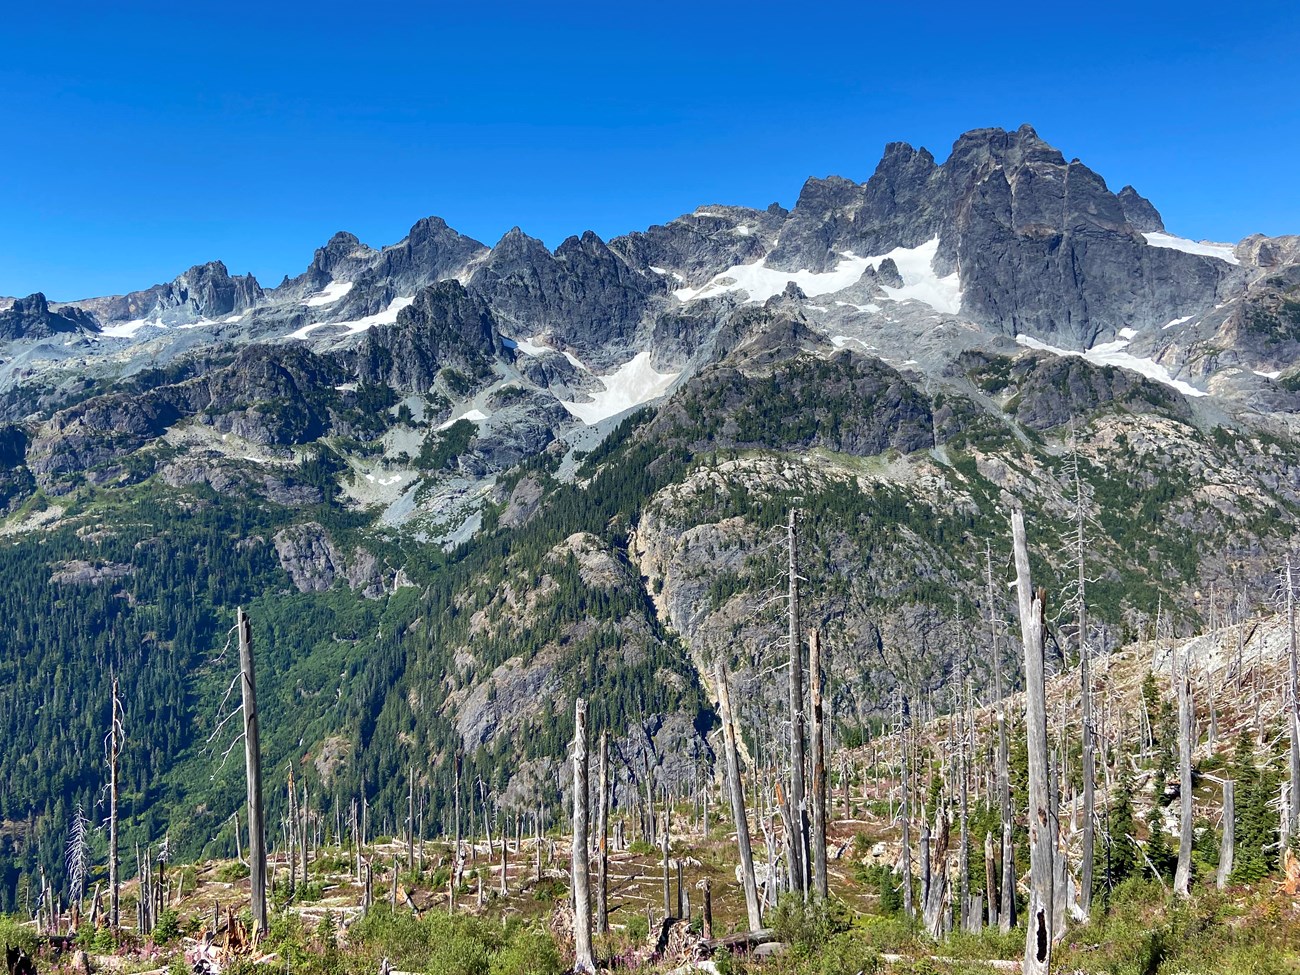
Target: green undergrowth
{"x":1146,"y":932}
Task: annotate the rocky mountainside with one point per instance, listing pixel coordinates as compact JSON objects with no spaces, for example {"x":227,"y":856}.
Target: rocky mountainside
{"x":457,"y":485}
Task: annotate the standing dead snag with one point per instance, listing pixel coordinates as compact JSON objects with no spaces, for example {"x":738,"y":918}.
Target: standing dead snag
{"x":602,"y":835}
{"x":253,"y":770}
{"x":737,"y":790}
{"x":583,"y":961}
{"x":1183,"y":873}
{"x":798,"y":807}
{"x":115,"y":734}
{"x":1293,"y":701}
{"x":1007,"y":908}
{"x":820,"y":882}
{"x":1042,"y":830}
{"x":1226,"y":848}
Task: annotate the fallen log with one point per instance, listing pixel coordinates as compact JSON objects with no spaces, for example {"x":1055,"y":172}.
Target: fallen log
{"x":740,"y":941}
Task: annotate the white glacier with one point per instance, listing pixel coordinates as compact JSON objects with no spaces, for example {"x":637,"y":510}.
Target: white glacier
{"x":1113,"y":354}
{"x":1205,"y":248}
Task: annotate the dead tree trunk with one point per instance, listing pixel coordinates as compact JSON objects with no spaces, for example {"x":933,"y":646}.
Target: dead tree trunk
{"x":253,"y":769}
{"x":1293,"y":695}
{"x":821,"y":887}
{"x":1183,"y":873}
{"x":1226,"y":848}
{"x":115,"y":734}
{"x":410,"y":820}
{"x":1042,"y":831}
{"x":798,"y":808}
{"x":583,"y":961}
{"x":668,"y":886}
{"x":905,"y":768}
{"x":602,"y":835}
{"x":937,"y":895}
{"x":737,"y":790}
{"x":1007,"y":909}
{"x":990,"y":880}
{"x":706,"y":925}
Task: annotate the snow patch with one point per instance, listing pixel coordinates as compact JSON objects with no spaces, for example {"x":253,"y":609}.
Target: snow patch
{"x":1128,"y":333}
{"x":633,"y":383}
{"x":1176,"y":322}
{"x":474,"y":416}
{"x":124,"y":330}
{"x":386,"y":317}
{"x":1267,"y":375}
{"x":920,"y":283}
{"x":534,"y":348}
{"x":870,"y":306}
{"x":1113,"y":354}
{"x":1205,"y":248}
{"x":331,"y":293}
{"x":743,"y":230}
{"x":840,"y":341}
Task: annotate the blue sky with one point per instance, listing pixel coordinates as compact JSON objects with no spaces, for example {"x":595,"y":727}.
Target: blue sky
{"x":140,"y":139}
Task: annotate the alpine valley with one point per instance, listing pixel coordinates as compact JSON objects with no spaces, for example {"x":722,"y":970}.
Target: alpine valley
{"x":457,"y":485}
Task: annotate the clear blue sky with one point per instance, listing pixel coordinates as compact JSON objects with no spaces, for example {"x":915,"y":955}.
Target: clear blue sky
{"x":142,"y":139}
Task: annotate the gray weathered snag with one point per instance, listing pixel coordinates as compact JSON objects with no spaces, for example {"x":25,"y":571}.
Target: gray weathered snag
{"x":583,"y":961}
{"x":737,"y":791}
{"x":1039,"y":933}
{"x":253,"y":769}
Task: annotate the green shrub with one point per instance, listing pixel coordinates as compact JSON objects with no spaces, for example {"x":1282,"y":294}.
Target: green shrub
{"x":229,"y":873}
{"x":529,"y":952}
{"x":847,"y":954}
{"x":805,"y":928}
{"x":168,"y":928}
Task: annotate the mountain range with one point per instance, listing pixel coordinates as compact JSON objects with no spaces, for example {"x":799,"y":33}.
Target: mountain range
{"x":458,"y":484}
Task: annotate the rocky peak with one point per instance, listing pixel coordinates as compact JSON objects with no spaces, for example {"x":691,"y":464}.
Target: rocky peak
{"x":342,"y":256}
{"x":976,"y":150}
{"x":207,"y":291}
{"x":31,"y":318}
{"x":1139,"y":212}
{"x":444,"y":326}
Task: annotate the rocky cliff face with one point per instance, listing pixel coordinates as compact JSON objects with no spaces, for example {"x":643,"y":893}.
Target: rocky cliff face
{"x":31,"y":318}
{"x":444,"y":327}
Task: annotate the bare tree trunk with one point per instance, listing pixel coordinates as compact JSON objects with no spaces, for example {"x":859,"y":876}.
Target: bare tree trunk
{"x":1007,"y":909}
{"x":410,"y":820}
{"x":1293,"y":693}
{"x":798,"y":810}
{"x":990,"y":880}
{"x":1226,"y":847}
{"x":1042,"y":831}
{"x":706,"y":928}
{"x":936,"y":866}
{"x":602,"y":835}
{"x":583,"y":962}
{"x":909,"y":907}
{"x":253,"y":769}
{"x":737,"y":790}
{"x":821,"y":887}
{"x":1183,"y":873}
{"x":668,"y":887}
{"x":115,"y":730}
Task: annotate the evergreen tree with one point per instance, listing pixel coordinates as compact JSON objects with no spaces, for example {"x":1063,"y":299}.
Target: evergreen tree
{"x":1256,"y":827}
{"x":1117,"y":857}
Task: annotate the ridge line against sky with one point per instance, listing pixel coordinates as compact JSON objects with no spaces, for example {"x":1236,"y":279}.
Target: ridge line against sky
{"x":147,"y":138}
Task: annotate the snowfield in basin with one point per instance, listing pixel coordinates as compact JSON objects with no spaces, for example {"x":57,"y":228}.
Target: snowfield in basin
{"x":332,"y":293}
{"x":1113,"y":354}
{"x":633,"y":383}
{"x":386,"y":317}
{"x":920,"y":283}
{"x":1224,"y":252}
